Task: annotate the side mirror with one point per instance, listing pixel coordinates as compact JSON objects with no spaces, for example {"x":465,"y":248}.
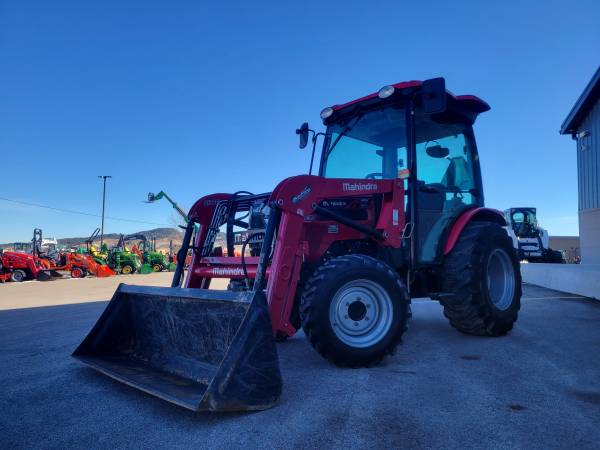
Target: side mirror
{"x":434,"y":95}
{"x":303,"y":133}
{"x":437,"y":151}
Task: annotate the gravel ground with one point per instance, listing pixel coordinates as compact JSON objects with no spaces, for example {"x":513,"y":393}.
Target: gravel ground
{"x":539,"y":387}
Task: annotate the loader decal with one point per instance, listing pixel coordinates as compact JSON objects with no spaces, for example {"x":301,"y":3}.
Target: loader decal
{"x":227,"y":271}
{"x":352,"y":187}
{"x":296,"y":198}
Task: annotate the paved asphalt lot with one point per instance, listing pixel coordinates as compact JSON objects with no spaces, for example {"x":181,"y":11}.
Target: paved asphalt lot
{"x":539,"y":387}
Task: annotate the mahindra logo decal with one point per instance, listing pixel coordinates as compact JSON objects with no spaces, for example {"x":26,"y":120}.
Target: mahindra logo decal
{"x":353,"y":187}
{"x":227,"y":271}
{"x":296,"y":198}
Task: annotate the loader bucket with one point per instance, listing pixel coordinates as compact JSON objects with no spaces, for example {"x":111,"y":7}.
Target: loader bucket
{"x":200,"y":349}
{"x":103,"y":271}
{"x":99,"y":269}
{"x":43,"y":276}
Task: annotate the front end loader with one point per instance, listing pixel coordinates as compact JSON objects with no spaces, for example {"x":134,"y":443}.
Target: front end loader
{"x":396,"y":211}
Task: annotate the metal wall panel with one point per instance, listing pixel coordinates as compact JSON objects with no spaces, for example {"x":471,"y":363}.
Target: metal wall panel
{"x":588,"y":160}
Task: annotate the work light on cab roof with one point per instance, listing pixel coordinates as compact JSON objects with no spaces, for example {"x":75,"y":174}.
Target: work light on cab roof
{"x":326,"y":113}
{"x":386,"y":91}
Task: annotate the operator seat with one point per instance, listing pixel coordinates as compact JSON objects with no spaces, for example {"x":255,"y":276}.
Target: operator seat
{"x":456,"y":178}
{"x":430,"y":200}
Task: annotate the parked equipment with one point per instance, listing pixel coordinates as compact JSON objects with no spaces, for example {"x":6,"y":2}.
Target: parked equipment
{"x":19,"y":266}
{"x":531,"y":240}
{"x":340,"y":256}
{"x":152,"y":261}
{"x":97,"y":259}
{"x":154,"y":197}
{"x":122,"y":260}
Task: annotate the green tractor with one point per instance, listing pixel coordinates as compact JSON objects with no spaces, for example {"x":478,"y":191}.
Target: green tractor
{"x":152,"y":260}
{"x":122,"y":260}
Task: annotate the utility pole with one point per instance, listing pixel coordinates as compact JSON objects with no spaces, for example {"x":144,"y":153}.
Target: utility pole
{"x":104,"y":177}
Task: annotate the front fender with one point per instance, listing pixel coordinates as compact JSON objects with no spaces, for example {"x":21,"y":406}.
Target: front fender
{"x":475,"y":214}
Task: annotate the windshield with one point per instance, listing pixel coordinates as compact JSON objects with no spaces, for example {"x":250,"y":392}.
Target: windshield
{"x":524,"y":222}
{"x":371,"y":146}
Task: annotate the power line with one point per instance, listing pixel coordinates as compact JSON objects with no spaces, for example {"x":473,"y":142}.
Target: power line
{"x":82,"y":213}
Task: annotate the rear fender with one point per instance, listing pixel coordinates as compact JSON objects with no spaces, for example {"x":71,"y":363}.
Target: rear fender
{"x":472,"y":215}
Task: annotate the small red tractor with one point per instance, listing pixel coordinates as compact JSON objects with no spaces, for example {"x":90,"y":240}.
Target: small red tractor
{"x":56,"y":261}
{"x":395,"y":212}
{"x":19,"y":266}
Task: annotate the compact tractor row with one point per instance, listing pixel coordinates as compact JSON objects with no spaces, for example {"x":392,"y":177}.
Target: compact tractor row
{"x":396,"y":211}
{"x":42,"y":260}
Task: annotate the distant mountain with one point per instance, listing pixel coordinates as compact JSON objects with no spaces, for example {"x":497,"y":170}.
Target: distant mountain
{"x":162,"y":235}
{"x":157,"y":233}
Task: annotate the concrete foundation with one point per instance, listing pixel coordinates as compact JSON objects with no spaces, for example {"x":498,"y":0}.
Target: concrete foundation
{"x":579,"y":279}
{"x":589,"y":232}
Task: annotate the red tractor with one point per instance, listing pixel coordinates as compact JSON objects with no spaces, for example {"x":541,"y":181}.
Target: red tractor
{"x":395,"y":212}
{"x":19,"y":266}
{"x":55,"y":261}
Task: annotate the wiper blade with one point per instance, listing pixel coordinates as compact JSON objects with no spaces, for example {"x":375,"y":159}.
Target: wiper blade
{"x":346,"y":129}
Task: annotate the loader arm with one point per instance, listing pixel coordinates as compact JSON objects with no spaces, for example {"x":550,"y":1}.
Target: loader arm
{"x":304,"y":204}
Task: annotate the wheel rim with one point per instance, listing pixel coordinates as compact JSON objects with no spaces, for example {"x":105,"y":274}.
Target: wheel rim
{"x":500,"y":279}
{"x":157,"y":268}
{"x":361,"y":313}
{"x":76,"y":273}
{"x":126,"y":270}
{"x":18,"y":275}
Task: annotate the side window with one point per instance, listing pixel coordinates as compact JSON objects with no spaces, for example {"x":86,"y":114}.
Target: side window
{"x":518,"y":217}
{"x":446,"y":163}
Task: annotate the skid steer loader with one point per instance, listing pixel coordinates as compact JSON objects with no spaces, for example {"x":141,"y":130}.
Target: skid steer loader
{"x":396,"y":211}
{"x":530,"y":240}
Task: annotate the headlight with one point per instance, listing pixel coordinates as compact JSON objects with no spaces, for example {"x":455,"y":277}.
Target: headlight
{"x":327,"y":112}
{"x":386,"y":91}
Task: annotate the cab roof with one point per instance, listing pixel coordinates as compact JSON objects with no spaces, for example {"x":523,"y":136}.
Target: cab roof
{"x":468,"y":103}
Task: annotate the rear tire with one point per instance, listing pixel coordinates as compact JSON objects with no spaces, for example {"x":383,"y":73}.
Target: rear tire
{"x":482,"y":281}
{"x":18,"y":275}
{"x":354,"y":310}
{"x":157,"y":268}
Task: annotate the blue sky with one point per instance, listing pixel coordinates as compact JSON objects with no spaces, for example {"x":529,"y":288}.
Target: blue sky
{"x":200,"y":97}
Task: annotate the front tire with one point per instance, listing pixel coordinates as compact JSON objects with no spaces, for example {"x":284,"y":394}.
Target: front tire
{"x":127,"y":269}
{"x":77,"y":272}
{"x":354,"y":310}
{"x":18,"y":275}
{"x":482,"y":281}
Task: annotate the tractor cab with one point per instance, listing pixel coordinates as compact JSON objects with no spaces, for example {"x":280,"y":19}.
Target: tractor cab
{"x":370,"y":139}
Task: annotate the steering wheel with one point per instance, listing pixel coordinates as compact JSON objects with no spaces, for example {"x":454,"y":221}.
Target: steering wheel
{"x":372,"y":176}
